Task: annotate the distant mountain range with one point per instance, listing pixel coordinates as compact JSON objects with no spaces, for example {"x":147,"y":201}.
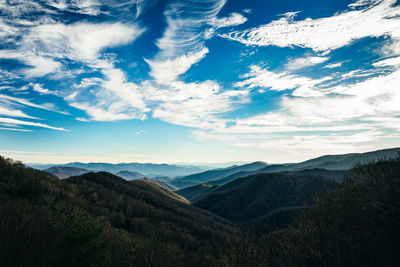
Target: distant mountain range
{"x":147,"y":169}
{"x":320,"y":164}
{"x":217,"y":174}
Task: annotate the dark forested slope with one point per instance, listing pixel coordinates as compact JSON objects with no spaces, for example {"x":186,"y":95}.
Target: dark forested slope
{"x":99,"y":219}
{"x":262,"y":194}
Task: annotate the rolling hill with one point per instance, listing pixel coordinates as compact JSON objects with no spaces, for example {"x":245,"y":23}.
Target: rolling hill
{"x":65,"y":172}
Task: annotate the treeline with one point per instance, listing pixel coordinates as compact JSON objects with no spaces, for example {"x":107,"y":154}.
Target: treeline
{"x":102,"y":220}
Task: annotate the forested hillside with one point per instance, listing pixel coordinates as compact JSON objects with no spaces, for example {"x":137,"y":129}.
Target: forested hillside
{"x":98,"y":219}
{"x":263,"y":194}
{"x":356,"y":224}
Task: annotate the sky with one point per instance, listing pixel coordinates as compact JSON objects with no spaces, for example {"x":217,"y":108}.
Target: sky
{"x":197,"y":81}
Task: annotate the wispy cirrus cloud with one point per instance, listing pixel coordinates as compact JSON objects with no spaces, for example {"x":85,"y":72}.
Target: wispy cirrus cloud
{"x":372,"y":19}
{"x":234,"y":19}
{"x":15,"y":129}
{"x":182,"y":46}
{"x":346,"y":116}
{"x":21,"y":101}
{"x":263,"y":78}
{"x":29,"y":123}
{"x":337,"y":111}
{"x":116,"y":98}
{"x":8,"y":111}
{"x":168,"y":70}
{"x":56,"y":49}
{"x":87,"y":7}
{"x":44,"y":47}
{"x":47,"y":46}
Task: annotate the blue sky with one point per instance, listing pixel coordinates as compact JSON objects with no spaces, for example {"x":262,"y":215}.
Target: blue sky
{"x":197,"y":81}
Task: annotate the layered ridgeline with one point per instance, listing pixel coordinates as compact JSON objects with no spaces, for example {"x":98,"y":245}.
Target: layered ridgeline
{"x":333,"y":167}
{"x":99,"y":219}
{"x":217,"y":174}
{"x":148,"y":169}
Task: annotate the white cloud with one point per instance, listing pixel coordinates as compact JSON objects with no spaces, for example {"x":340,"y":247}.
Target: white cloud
{"x":6,"y":30}
{"x":192,"y":104}
{"x":39,"y":88}
{"x":15,"y":129}
{"x":22,"y":101}
{"x":40,"y":65}
{"x":87,"y":82}
{"x":340,"y":118}
{"x":46,"y":48}
{"x":168,"y":70}
{"x":303,"y":62}
{"x":391,"y":48}
{"x":28,"y":123}
{"x":17,"y":8}
{"x":140,"y":132}
{"x":340,"y":104}
{"x":186,"y":22}
{"x":113,"y":99}
{"x":395,"y":61}
{"x":363,"y":3}
{"x":127,"y":92}
{"x":87,"y":7}
{"x":264,"y":78}
{"x":333,"y":65}
{"x":233,"y":19}
{"x":325,"y":34}
{"x":7,"y":111}
{"x":105,"y":112}
{"x":79,"y":41}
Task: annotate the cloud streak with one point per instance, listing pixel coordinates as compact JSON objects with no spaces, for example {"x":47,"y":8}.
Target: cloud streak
{"x":28,"y":123}
{"x":374,"y":19}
